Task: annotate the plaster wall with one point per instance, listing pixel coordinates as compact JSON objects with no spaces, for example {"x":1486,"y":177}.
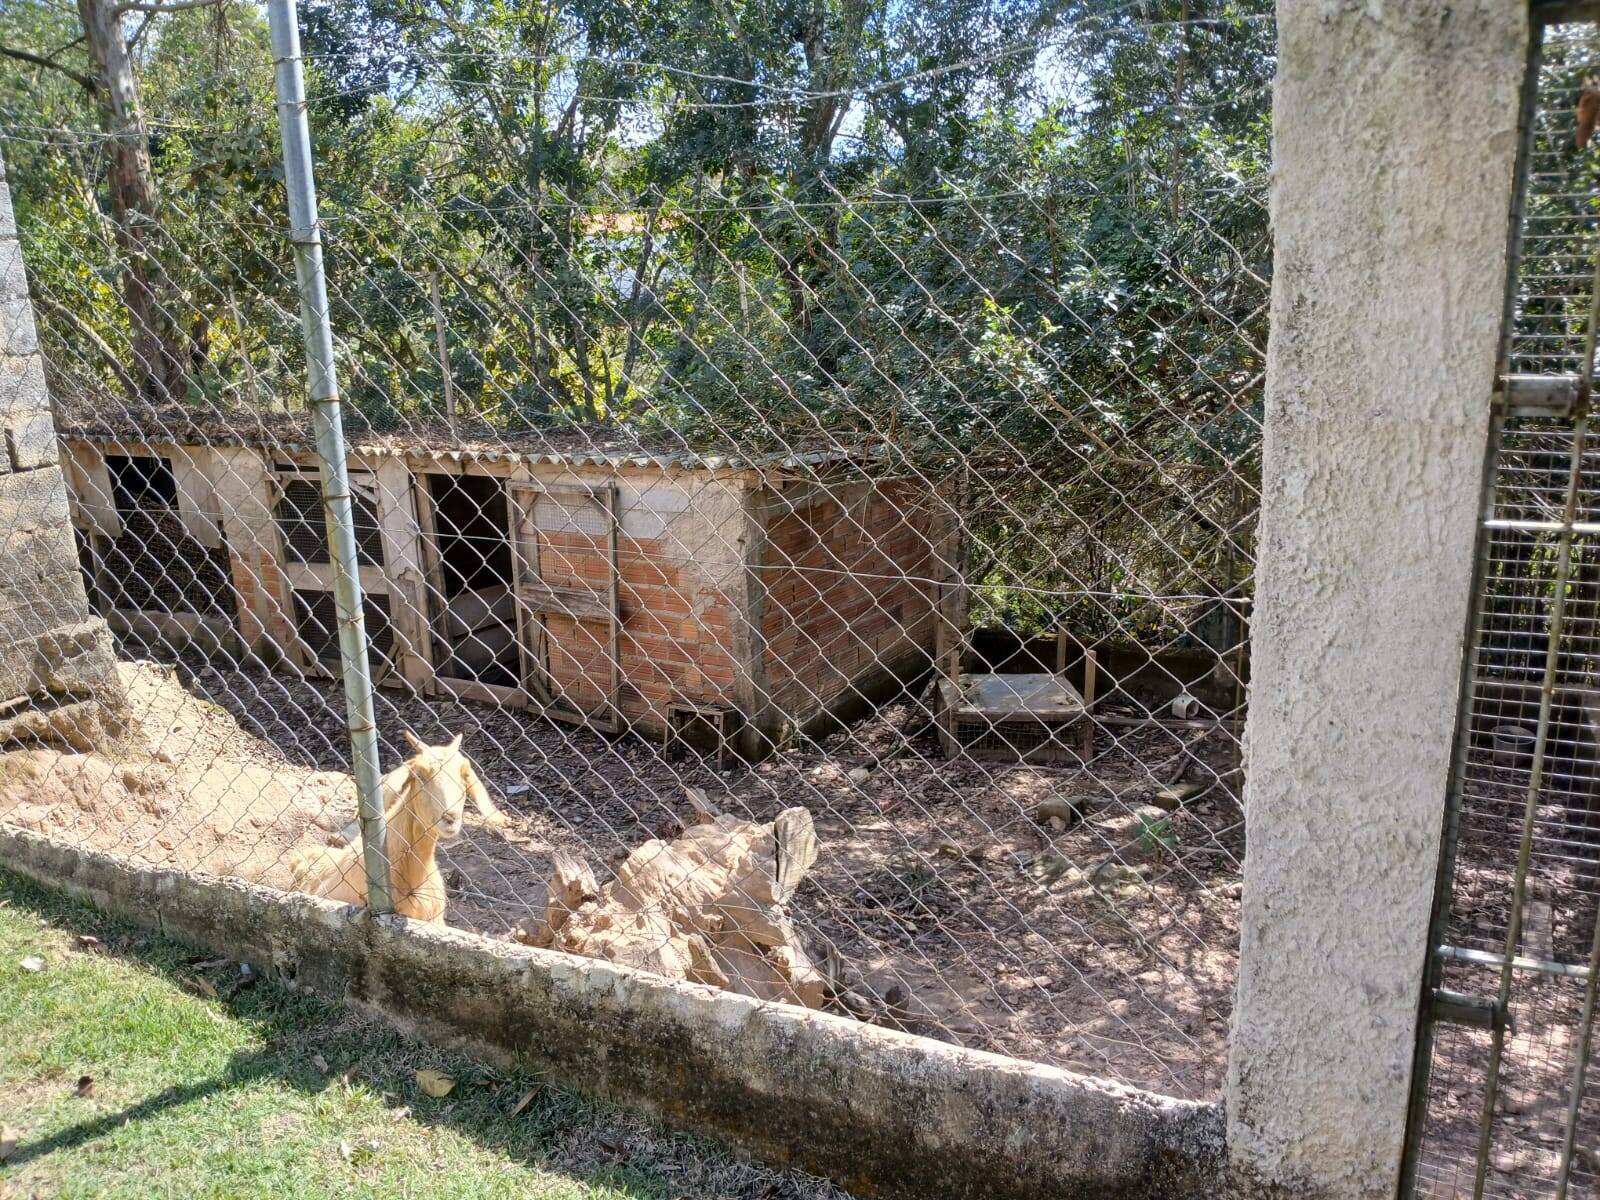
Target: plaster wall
{"x":1394,"y":143}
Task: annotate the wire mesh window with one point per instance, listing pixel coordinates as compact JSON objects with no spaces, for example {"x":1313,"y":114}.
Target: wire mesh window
{"x":570,"y":514}
{"x":153,"y":565}
{"x":317,"y":623}
{"x":304,"y":526}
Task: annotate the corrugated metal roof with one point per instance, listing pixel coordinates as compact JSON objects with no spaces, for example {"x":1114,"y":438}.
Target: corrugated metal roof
{"x":398,"y":446}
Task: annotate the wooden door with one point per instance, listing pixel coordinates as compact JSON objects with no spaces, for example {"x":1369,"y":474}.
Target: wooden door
{"x":567,"y":584}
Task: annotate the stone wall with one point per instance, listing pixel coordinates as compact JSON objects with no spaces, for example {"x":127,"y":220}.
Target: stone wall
{"x":57,"y":669}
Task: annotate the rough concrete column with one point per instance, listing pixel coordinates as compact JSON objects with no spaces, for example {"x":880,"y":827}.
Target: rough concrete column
{"x":1394,"y":144}
{"x":57,"y":669}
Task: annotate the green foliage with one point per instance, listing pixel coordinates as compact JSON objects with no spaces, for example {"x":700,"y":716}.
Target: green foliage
{"x":1156,"y":835}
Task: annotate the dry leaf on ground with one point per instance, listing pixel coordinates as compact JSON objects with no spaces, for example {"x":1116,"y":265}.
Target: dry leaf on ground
{"x":527,"y":1097}
{"x":435,"y":1083}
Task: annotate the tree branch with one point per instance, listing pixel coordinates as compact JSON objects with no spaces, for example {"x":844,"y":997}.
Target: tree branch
{"x":60,"y":50}
{"x":39,"y":60}
{"x":133,"y":42}
{"x":112,"y":359}
{"x":172,"y":6}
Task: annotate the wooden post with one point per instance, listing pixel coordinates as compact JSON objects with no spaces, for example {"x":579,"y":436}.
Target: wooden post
{"x":406,"y":572}
{"x":1090,"y":664}
{"x":614,"y":598}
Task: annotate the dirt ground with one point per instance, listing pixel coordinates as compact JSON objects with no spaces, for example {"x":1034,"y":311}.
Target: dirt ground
{"x":1097,"y":934}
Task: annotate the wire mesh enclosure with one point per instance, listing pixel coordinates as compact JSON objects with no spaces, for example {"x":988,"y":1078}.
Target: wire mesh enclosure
{"x":810,"y":458}
{"x":1503,"y":1104}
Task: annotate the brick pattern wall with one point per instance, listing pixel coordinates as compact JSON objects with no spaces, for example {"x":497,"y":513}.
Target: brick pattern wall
{"x":51,"y":648}
{"x":261,"y":594}
{"x":847,"y":592}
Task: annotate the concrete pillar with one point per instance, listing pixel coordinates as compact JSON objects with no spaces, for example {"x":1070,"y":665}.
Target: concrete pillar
{"x":57,"y":671}
{"x":1394,"y":142}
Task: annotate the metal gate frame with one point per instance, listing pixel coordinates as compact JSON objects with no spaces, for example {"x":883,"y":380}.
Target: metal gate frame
{"x":1514,"y":396}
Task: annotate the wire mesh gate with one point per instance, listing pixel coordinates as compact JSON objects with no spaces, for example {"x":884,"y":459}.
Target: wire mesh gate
{"x":1503,"y":1103}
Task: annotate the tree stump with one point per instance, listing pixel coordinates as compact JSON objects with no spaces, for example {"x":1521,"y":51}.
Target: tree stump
{"x":706,"y":906}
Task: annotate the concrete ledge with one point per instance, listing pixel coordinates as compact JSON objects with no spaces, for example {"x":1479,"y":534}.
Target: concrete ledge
{"x":882,"y":1113}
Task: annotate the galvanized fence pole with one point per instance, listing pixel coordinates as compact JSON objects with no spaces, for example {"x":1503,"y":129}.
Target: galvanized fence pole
{"x":323,"y":392}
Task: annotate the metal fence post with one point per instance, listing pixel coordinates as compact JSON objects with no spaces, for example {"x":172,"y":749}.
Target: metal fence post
{"x":323,"y":392}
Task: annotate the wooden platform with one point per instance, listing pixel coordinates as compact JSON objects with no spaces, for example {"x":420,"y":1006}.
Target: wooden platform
{"x":1011,"y":718}
{"x":1045,"y":697}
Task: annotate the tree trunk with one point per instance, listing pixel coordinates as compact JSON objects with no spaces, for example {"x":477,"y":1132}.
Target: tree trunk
{"x":810,"y":256}
{"x":158,"y":341}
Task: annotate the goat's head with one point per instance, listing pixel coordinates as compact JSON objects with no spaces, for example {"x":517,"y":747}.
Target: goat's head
{"x":441,"y":781}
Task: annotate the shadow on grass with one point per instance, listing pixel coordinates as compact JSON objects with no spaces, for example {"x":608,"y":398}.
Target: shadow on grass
{"x":313,"y":1045}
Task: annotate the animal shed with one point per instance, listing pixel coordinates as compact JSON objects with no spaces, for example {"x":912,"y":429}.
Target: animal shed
{"x":744,"y":598}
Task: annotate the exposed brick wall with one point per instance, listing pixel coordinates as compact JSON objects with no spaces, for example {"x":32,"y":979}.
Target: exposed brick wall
{"x":676,"y":638}
{"x":260,"y":593}
{"x":847,"y":591}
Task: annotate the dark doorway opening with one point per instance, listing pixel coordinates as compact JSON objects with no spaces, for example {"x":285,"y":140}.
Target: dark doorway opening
{"x":476,"y":617}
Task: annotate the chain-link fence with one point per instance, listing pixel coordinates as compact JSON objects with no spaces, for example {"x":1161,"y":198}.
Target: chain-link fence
{"x":808,"y":455}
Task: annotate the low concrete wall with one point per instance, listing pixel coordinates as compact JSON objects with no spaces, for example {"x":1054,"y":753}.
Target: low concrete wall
{"x":883,"y":1113}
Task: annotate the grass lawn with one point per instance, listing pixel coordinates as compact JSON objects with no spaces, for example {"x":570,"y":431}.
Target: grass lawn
{"x":202,"y":1087}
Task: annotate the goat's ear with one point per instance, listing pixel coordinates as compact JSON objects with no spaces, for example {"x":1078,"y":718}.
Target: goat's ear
{"x":491,"y":815}
{"x":415,"y":742}
{"x":455,"y":742}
